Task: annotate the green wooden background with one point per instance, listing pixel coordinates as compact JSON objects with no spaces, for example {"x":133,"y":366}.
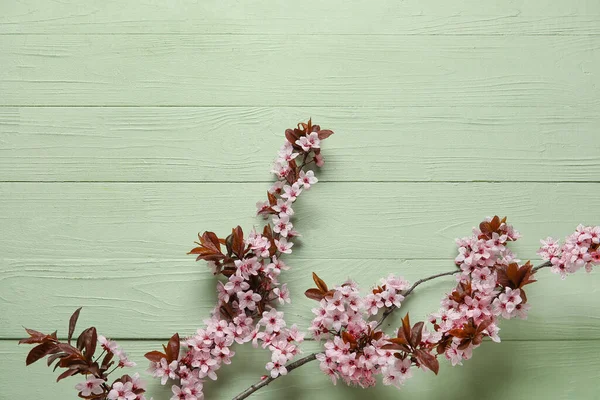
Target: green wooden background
{"x":126,"y":127}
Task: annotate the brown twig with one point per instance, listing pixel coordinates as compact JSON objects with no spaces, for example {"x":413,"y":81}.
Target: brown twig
{"x":290,"y":367}
{"x":313,"y":356}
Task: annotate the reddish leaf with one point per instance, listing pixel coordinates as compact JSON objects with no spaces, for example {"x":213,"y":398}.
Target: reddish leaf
{"x":314,"y":294}
{"x":416,"y":334}
{"x":35,"y":337}
{"x":172,"y":349}
{"x":395,"y":346}
{"x":40,"y":351}
{"x":87,"y":341}
{"x":72,"y":323}
{"x":238,"y":244}
{"x":272,"y":199}
{"x":66,"y":374}
{"x":428,"y":360}
{"x":399,"y":340}
{"x":324,"y":134}
{"x":291,"y":136}
{"x":320,"y":283}
{"x":155,"y":356}
{"x":406,"y":328}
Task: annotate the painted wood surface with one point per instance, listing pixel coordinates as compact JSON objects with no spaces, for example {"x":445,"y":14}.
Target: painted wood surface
{"x":127,"y":127}
{"x":323,"y":71}
{"x":238,"y":144}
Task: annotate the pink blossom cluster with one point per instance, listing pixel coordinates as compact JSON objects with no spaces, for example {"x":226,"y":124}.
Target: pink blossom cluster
{"x":354,"y":347}
{"x":581,"y":249}
{"x":481,"y":295}
{"x":119,"y":390}
{"x":246,"y":300}
{"x":112,"y":347}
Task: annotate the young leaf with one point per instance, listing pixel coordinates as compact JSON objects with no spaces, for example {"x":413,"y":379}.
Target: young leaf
{"x":72,"y":323}
{"x":324,"y":134}
{"x":320,"y":283}
{"x":238,"y":244}
{"x":154,"y":356}
{"x":314,"y":294}
{"x":172,"y":349}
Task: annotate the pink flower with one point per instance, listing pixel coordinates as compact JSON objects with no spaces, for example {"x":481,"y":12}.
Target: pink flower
{"x":108,"y":345}
{"x":283,"y":245}
{"x":277,"y":187}
{"x":122,"y":391}
{"x":483,"y":279}
{"x":248,"y":300}
{"x":311,"y":141}
{"x":291,"y":192}
{"x":181,"y":394}
{"x":272,"y":320}
{"x":282,"y":225}
{"x":277,"y":368}
{"x":91,"y":386}
{"x":286,"y":152}
{"x":247,"y":267}
{"x":236,"y":284}
{"x":283,"y":207}
{"x":283,"y":294}
{"x":165,"y":370}
{"x":262,"y":208}
{"x":307,"y":179}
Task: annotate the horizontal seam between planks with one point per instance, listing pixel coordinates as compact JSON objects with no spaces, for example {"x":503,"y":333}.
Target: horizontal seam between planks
{"x":357,"y":106}
{"x":192,"y":33}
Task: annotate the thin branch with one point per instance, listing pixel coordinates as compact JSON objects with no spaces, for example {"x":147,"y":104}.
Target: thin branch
{"x":313,"y":356}
{"x":290,"y":367}
{"x":544,"y":265}
{"x":390,"y":310}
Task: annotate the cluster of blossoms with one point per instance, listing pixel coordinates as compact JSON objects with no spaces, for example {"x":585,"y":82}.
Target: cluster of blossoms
{"x":251,"y":267}
{"x":490,"y":285}
{"x":82,"y":359}
{"x":355,"y":350}
{"x":581,"y":249}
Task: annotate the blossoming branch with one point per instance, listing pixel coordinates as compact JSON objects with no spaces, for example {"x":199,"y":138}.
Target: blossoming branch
{"x":490,"y":287}
{"x":247,"y":296}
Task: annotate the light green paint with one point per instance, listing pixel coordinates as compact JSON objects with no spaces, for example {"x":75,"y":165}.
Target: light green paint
{"x":127,"y":128}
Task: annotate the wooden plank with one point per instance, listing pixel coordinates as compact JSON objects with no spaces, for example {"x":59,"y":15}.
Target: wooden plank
{"x":238,"y":144}
{"x":149,"y":298}
{"x":545,"y":17}
{"x":323,"y":71}
{"x":338,"y":220}
{"x":558,"y":370}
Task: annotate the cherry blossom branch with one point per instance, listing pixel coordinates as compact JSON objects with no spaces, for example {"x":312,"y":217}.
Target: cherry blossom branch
{"x":313,"y":356}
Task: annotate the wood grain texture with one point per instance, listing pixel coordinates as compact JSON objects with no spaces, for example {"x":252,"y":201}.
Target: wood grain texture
{"x":414,"y":17}
{"x":238,"y":144}
{"x":338,"y":220}
{"x":127,"y":126}
{"x":556,"y":370}
{"x":149,"y":298}
{"x":323,"y":71}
